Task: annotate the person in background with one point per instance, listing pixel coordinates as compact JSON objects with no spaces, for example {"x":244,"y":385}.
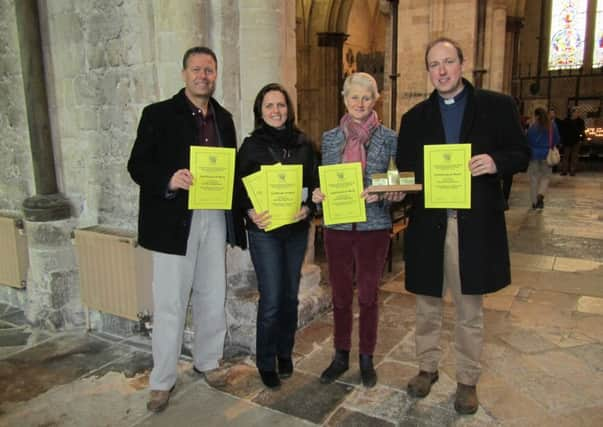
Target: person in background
{"x":189,"y":247}
{"x":574,"y":127}
{"x":542,"y":135}
{"x":561,"y":129}
{"x":463,"y":251}
{"x":357,"y":252}
{"x":277,"y":255}
{"x":558,"y":122}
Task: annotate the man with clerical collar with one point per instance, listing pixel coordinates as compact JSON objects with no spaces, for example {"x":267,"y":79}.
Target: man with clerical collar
{"x":188,"y":246}
{"x":463,"y":251}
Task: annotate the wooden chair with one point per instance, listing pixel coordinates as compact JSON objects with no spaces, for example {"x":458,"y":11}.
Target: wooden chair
{"x":398,"y":225}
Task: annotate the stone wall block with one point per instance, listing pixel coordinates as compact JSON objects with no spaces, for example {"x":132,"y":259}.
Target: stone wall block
{"x":96,"y":57}
{"x":110,"y":116}
{"x":59,"y":288}
{"x":49,"y":235}
{"x":115,"y":52}
{"x":123,"y":92}
{"x":62,"y":15}
{"x":104,"y":322}
{"x":45,"y":262}
{"x":106,"y":25}
{"x":107,"y":89}
{"x":311,"y":274}
{"x":37,"y":307}
{"x":72,"y":61}
{"x":145,"y":82}
{"x":86,"y":118}
{"x":13,"y":296}
{"x":238,"y":260}
{"x":240,"y":283}
{"x":53,"y":298}
{"x":85,"y":88}
{"x":10,"y":66}
{"x":16,"y":116}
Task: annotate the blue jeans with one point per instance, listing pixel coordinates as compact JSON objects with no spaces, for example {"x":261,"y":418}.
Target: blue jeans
{"x":277,"y":257}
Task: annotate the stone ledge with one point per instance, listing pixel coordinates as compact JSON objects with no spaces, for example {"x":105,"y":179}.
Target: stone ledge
{"x":241,"y":310}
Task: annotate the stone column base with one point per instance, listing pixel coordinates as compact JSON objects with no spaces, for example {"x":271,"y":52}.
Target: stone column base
{"x":242,"y":306}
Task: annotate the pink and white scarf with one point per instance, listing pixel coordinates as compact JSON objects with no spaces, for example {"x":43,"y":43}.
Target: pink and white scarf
{"x":358,"y":136}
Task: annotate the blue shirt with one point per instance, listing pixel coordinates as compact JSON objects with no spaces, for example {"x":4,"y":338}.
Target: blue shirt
{"x":452,"y":111}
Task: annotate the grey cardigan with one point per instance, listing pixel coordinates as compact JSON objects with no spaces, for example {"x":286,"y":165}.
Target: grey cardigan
{"x":383,"y":144}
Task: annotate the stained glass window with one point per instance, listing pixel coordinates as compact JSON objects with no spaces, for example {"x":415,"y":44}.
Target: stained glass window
{"x":568,"y":30}
{"x":598,"y":41}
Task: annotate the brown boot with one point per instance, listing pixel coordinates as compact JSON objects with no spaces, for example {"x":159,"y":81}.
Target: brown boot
{"x":158,"y":400}
{"x":216,"y":378}
{"x":420,"y":385}
{"x":466,"y":399}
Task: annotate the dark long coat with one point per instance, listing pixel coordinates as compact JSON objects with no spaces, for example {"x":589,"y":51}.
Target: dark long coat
{"x":491,"y":124}
{"x":166,"y":131}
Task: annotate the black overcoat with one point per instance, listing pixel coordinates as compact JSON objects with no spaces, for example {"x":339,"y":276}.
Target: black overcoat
{"x":491,"y":124}
{"x":166,"y":131}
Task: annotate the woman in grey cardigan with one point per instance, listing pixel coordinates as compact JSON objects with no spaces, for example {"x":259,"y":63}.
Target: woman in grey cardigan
{"x":361,"y":247}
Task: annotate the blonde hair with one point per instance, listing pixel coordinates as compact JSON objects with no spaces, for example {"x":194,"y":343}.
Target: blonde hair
{"x":361,"y":79}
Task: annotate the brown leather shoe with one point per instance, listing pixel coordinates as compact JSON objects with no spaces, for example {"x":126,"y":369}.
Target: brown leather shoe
{"x":420,"y":385}
{"x":158,"y":400}
{"x":216,"y":378}
{"x":466,"y":399}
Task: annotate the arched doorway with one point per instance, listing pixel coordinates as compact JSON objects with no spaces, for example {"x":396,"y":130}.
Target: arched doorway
{"x":335,"y":38}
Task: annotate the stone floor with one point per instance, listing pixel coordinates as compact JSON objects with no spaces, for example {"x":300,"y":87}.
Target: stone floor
{"x":542,"y":360}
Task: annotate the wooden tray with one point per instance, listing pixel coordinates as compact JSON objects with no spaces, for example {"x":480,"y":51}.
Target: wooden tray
{"x":407,"y":188}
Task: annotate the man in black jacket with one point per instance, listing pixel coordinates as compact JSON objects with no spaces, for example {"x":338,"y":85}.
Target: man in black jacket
{"x":462,"y":251}
{"x":189,"y":247}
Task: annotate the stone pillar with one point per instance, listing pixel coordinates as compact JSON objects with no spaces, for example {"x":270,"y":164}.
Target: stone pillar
{"x":513,"y":28}
{"x":52,"y":291}
{"x":479,"y":70}
{"x":267,"y":51}
{"x":387,"y":95}
{"x":590,"y":42}
{"x":47,"y":204}
{"x":494,"y":53}
{"x":331,"y":77}
{"x":255,"y":42}
{"x":221,"y":22}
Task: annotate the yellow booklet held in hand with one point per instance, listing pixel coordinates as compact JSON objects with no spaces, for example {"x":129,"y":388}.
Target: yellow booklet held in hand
{"x":342,"y":184}
{"x":213,"y":177}
{"x":276,"y":189}
{"x":447,"y":178}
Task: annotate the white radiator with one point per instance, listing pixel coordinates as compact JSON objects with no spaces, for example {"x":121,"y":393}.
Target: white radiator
{"x":115,"y":273}
{"x":14,"y":259}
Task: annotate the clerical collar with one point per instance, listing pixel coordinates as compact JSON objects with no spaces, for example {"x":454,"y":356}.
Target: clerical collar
{"x":454,"y":99}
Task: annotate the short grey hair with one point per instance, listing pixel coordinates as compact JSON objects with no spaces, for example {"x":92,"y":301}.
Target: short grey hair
{"x":361,"y":79}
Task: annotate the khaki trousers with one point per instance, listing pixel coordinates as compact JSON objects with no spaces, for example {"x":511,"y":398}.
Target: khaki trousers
{"x":469,"y":319}
{"x":198,"y":276}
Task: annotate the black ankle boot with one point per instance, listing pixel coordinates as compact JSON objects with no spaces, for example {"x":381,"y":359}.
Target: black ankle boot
{"x":540,"y":202}
{"x":285,"y":367}
{"x":270,"y":379}
{"x":367,"y":371}
{"x":338,"y":366}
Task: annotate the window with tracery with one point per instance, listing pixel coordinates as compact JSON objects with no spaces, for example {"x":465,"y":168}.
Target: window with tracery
{"x":598,"y":41}
{"x":568,"y":31}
